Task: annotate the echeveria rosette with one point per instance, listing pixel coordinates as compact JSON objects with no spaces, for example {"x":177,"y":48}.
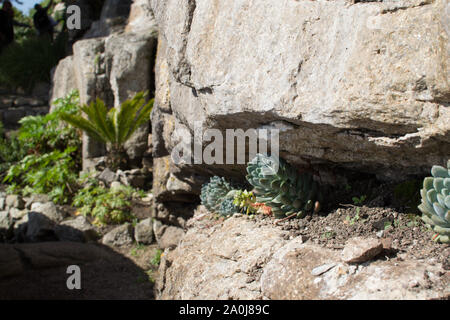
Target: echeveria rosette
{"x":217,"y":196}
{"x":435,"y":204}
{"x":279,"y":186}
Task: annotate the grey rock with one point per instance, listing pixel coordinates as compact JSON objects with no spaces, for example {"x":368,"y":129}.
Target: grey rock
{"x":14,"y":201}
{"x":39,"y":228}
{"x":42,"y":198}
{"x":167,"y":236}
{"x":317,"y":271}
{"x":143,"y":232}
{"x":241,"y":259}
{"x":17,"y":214}
{"x":76,"y":230}
{"x":50,"y":210}
{"x":5,"y":221}
{"x":2,"y":203}
{"x":359,"y":250}
{"x":322,"y":91}
{"x":63,"y":80}
{"x":119,"y":236}
{"x":107,"y":176}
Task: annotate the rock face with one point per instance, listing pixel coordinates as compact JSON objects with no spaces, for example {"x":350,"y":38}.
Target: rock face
{"x":244,"y":259}
{"x":361,"y":86}
{"x":111,"y":65}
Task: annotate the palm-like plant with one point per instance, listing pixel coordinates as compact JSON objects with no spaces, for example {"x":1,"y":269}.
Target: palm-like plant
{"x":113,"y":127}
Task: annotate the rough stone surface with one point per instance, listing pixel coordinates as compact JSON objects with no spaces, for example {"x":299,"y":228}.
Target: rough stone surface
{"x":167,"y":236}
{"x":362,"y":87}
{"x":243,"y":259}
{"x":39,"y":228}
{"x":359,"y":250}
{"x":141,"y":17}
{"x":49,"y":210}
{"x":63,"y":80}
{"x":114,"y":69}
{"x":143,"y":232}
{"x":14,"y":201}
{"x":108,"y":177}
{"x":77,"y":230}
{"x":42,"y":198}
{"x":119,"y":236}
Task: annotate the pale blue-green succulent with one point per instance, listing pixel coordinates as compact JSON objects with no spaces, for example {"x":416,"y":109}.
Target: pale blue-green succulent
{"x":217,"y":196}
{"x":435,"y":204}
{"x":279,"y":186}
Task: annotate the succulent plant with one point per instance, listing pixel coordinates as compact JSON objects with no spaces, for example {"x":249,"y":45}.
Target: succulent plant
{"x":245,"y":201}
{"x":279,"y":186}
{"x":435,"y":204}
{"x":215,"y":192}
{"x":227,"y":207}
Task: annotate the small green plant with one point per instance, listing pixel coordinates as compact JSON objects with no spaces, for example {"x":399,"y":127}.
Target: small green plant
{"x":435,"y":204}
{"x":279,"y":186}
{"x":51,"y":155}
{"x":218,"y":195}
{"x":328,"y":235}
{"x":135,"y":251}
{"x":106,"y":206}
{"x":156,"y":260}
{"x":359,"y":201}
{"x":352,"y":221}
{"x":113,"y":127}
{"x":11,"y":151}
{"x":245,"y":201}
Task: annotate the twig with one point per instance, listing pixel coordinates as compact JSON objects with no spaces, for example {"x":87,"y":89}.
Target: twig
{"x":287,"y":218}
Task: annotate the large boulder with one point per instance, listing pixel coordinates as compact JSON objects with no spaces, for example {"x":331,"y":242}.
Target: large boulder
{"x":245,"y":259}
{"x":359,"y":86}
{"x":114,"y":69}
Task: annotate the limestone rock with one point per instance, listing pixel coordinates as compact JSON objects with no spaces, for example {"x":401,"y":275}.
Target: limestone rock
{"x":361,"y":87}
{"x":39,"y":228}
{"x":243,"y":259}
{"x":359,"y":250}
{"x":143,"y":232}
{"x":14,"y":201}
{"x":76,"y":230}
{"x":49,"y":210}
{"x":167,"y":236}
{"x":119,"y":236}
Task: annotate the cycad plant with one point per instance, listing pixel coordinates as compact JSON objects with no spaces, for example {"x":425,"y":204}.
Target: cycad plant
{"x":435,"y":204}
{"x":113,"y":127}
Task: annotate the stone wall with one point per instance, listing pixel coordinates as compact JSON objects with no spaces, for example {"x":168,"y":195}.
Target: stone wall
{"x":112,"y":65}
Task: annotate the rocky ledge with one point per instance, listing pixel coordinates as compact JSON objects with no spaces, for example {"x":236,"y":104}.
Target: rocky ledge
{"x":242,"y":258}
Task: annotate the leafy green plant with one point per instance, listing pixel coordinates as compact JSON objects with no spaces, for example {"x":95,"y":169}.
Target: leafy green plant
{"x":50,"y":173}
{"x":245,"y":201}
{"x":279,"y":186}
{"x":52,"y":155}
{"x":156,"y":260}
{"x":106,"y":206}
{"x":358,"y":201}
{"x":11,"y":151}
{"x":352,"y":221}
{"x":41,"y":134}
{"x":113,"y":127}
{"x":435,"y":204}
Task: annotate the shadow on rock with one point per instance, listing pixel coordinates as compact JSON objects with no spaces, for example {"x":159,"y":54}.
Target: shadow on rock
{"x":39,"y":270}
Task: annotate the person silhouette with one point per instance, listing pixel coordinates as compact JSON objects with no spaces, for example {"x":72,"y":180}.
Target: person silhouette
{"x":42,"y":22}
{"x":7,"y":24}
